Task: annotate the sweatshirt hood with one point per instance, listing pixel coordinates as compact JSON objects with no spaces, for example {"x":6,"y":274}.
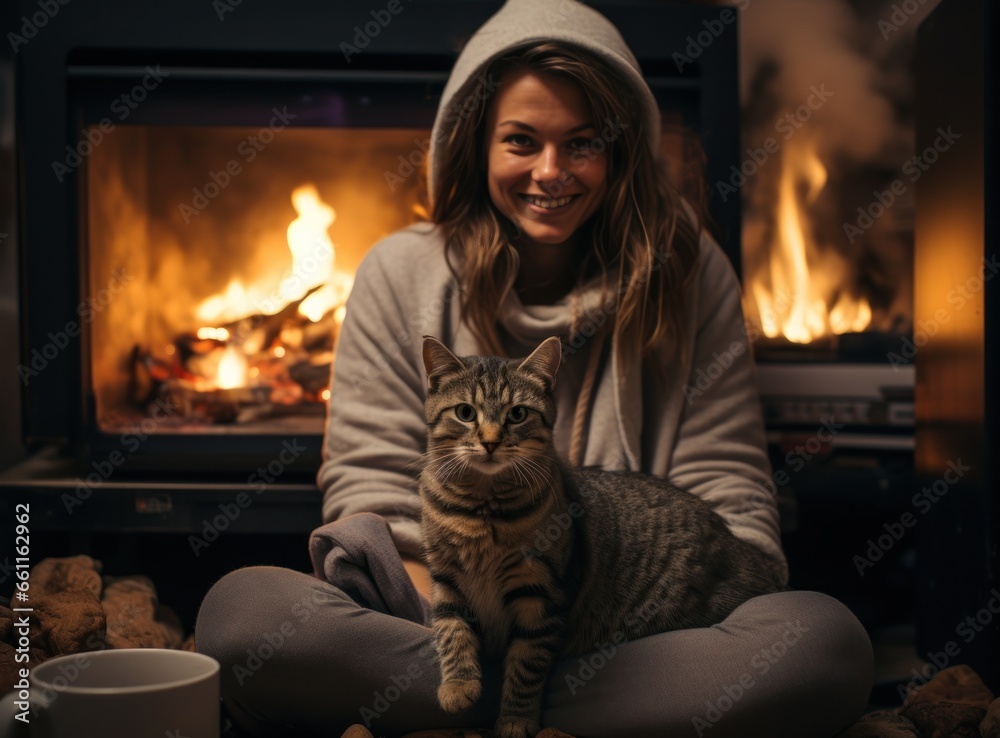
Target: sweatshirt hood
{"x":519,"y":23}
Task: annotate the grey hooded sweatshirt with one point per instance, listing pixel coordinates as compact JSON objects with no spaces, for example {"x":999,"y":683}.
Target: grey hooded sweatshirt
{"x":701,"y":428}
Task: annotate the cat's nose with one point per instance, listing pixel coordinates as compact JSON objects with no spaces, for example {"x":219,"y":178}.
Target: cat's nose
{"x":490,"y":446}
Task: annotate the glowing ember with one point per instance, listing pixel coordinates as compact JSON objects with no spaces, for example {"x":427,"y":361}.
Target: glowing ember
{"x":218,"y":334}
{"x":232,"y":370}
{"x":800,"y":292}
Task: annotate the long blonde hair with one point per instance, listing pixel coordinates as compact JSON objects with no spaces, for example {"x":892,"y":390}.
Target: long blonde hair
{"x":638,"y":236}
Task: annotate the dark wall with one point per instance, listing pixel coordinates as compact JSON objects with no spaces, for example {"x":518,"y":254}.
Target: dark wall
{"x":10,"y":395}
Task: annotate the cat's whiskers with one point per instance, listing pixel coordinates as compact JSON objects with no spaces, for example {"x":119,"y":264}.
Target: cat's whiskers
{"x":525,"y":473}
{"x":451,"y":462}
{"x":528,"y":468}
{"x":515,"y":467}
{"x":540,"y":472}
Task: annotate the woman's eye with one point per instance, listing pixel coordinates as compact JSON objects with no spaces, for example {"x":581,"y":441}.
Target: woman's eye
{"x":517,"y":414}
{"x":518,"y":139}
{"x":466,"y":413}
{"x":580,"y":144}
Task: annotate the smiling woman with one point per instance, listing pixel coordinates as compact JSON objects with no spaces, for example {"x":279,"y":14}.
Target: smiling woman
{"x":538,"y":178}
{"x":540,"y":152}
{"x":560,"y":121}
{"x":550,"y":214}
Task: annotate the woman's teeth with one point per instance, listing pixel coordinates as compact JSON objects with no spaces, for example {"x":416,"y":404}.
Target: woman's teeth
{"x":547,"y":203}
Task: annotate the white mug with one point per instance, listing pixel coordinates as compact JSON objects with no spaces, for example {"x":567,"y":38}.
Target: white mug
{"x":117,"y":693}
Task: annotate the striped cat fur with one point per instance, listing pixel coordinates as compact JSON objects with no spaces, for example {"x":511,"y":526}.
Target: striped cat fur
{"x":530,"y":560}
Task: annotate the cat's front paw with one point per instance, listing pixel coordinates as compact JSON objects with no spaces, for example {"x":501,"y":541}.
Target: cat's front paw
{"x":512,"y":727}
{"x":458,"y":694}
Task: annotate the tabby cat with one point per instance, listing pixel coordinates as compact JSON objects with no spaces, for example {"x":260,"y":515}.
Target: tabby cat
{"x":531,"y":560}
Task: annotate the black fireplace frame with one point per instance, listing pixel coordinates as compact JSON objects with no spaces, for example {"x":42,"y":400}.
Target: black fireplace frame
{"x":117,"y":39}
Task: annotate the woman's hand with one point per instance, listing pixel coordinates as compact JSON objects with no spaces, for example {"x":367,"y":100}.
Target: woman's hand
{"x":419,"y":575}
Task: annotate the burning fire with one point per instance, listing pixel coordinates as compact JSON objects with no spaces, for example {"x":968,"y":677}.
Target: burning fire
{"x":312,"y":266}
{"x":312,"y":280}
{"x":797,"y":297}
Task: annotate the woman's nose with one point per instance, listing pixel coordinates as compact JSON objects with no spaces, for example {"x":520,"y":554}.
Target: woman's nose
{"x":548,"y":165}
{"x":550,"y":170}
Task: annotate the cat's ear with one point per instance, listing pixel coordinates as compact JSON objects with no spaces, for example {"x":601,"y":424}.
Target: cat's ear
{"x":439,"y":362}
{"x":544,"y":361}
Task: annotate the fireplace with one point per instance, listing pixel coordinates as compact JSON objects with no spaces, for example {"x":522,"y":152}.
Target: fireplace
{"x":206,"y":196}
{"x":231,"y":292}
{"x":827,"y":261}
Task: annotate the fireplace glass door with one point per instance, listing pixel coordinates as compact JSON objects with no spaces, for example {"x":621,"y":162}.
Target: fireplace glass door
{"x":222,"y":225}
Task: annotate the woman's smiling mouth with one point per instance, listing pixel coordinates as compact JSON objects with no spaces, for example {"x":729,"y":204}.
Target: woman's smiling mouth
{"x":548,"y":203}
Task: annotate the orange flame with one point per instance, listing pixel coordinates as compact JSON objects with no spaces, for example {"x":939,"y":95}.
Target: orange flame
{"x":793,"y":296}
{"x":313,"y":256}
{"x":232,"y":371}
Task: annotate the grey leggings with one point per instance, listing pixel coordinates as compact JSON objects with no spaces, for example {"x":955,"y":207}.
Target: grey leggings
{"x":300,"y":657}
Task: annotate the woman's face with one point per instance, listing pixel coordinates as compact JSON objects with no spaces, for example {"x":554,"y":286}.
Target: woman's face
{"x":543,"y":175}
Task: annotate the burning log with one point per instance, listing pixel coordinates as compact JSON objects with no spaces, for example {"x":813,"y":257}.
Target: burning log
{"x":257,"y":332}
{"x":313,"y":379}
{"x":243,"y":364}
{"x":217,"y":405}
{"x":244,"y":370}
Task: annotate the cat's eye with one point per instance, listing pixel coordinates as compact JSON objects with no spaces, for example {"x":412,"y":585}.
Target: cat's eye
{"x":517,"y":414}
{"x":465,"y":412}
